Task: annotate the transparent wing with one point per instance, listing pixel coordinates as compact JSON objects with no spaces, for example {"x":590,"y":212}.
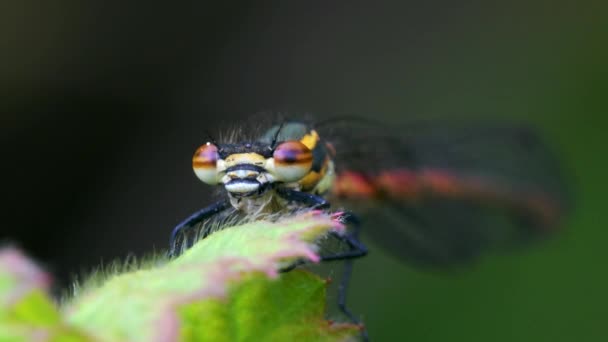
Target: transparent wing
{"x":442,"y":194}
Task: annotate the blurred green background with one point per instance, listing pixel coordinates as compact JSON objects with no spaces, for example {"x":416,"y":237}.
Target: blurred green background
{"x":103,"y":104}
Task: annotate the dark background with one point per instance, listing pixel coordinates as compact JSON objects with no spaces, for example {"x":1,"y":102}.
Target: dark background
{"x":103,"y":105}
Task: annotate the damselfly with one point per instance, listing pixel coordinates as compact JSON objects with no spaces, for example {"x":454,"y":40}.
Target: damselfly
{"x":432,"y":195}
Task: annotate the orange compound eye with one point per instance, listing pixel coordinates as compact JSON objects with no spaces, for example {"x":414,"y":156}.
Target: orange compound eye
{"x":292,"y":161}
{"x":204,"y":163}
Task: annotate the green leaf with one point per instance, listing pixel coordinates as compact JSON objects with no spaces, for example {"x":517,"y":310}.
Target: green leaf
{"x":290,"y":308}
{"x":225,"y":288}
{"x":26,"y":312}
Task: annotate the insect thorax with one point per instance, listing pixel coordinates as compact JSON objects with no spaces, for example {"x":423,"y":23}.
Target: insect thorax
{"x":253,"y":205}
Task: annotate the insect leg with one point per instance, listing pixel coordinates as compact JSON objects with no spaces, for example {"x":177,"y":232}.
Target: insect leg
{"x":310,"y":200}
{"x":191,"y":221}
{"x":357,"y":249}
{"x":342,"y":291}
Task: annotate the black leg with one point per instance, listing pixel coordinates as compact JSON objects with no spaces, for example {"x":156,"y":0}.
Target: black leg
{"x":342,"y":292}
{"x":356,"y":249}
{"x":191,"y":221}
{"x":309,"y":200}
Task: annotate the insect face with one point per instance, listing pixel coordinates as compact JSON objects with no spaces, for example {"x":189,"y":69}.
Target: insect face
{"x":248,"y":170}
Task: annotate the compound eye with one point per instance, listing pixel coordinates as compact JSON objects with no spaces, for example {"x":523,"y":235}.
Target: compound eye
{"x":204,"y":163}
{"x":292,"y":161}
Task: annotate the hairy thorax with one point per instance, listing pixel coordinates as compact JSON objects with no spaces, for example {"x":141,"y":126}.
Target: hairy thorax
{"x":265,"y":203}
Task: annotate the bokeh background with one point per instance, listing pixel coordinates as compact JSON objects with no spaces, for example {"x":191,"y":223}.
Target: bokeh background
{"x":102,"y":106}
